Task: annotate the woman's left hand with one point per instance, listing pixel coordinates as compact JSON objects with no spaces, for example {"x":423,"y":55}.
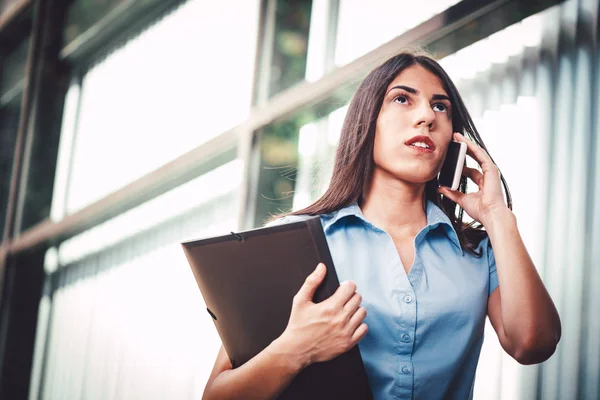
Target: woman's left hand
{"x":481,"y":204}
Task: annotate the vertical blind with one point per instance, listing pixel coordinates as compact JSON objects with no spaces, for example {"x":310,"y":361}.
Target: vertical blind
{"x":125,"y":316}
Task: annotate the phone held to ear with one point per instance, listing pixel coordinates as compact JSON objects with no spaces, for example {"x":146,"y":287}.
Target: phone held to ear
{"x":453,"y":165}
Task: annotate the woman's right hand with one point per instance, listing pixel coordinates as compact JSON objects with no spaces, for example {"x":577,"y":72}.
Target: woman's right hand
{"x":319,"y":332}
{"x":315,"y":332}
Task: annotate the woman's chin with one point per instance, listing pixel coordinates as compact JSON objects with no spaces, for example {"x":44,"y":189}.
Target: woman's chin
{"x":417,"y":178}
{"x":414,"y":176}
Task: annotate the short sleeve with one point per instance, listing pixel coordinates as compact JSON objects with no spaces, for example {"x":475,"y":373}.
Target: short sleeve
{"x":492,"y":266}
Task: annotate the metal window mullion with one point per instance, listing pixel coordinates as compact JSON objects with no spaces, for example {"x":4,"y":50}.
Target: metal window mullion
{"x":333,"y":16}
{"x":74,"y":136}
{"x":23,"y":126}
{"x":27,"y":106}
{"x":25,"y":167}
{"x":248,"y":141}
{"x":264,"y":53}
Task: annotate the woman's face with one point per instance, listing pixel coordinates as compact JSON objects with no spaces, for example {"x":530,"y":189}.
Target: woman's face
{"x":414,"y":127}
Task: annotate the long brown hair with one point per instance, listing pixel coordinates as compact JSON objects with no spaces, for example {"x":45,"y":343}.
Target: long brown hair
{"x":354,"y":163}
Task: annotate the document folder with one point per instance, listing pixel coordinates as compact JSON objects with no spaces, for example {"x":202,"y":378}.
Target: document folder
{"x":248,"y":281}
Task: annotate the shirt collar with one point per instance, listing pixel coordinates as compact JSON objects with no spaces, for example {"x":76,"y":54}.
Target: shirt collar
{"x":435,"y":217}
{"x":351,"y":210}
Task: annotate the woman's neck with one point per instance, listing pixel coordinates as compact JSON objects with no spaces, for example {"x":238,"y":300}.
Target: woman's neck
{"x":395,"y":206}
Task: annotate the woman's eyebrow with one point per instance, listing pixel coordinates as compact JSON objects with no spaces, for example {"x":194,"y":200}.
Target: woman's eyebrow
{"x":403,"y":87}
{"x":415,"y":91}
{"x":440,"y":97}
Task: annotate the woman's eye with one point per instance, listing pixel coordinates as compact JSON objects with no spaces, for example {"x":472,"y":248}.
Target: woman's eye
{"x":440,"y":107}
{"x":401,"y":99}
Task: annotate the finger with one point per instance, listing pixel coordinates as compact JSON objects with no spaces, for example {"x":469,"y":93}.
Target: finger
{"x":454,"y":195}
{"x":359,"y":333}
{"x":474,"y":175}
{"x":312,"y":282}
{"x":342,"y":294}
{"x":357,"y":318}
{"x":477,"y":152}
{"x":352,"y":305}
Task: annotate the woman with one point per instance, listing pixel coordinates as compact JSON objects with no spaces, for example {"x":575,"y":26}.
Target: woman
{"x":426,"y":279}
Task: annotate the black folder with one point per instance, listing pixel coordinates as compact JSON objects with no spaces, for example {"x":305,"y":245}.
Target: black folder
{"x":248,"y":281}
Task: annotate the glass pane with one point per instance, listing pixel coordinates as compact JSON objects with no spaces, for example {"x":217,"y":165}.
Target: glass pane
{"x":364,"y":25}
{"x":137,"y":304}
{"x":12,"y":82}
{"x":288,"y":65}
{"x":316,"y":149}
{"x":278,"y":149}
{"x":162,"y":94}
{"x":9,"y":122}
{"x":40,"y":175}
{"x":12,"y":72}
{"x":296,"y":157}
{"x":83,"y":14}
{"x":65,"y":148}
{"x":6,"y":5}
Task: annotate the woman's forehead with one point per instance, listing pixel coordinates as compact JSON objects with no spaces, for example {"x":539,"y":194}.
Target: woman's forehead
{"x":419,"y":78}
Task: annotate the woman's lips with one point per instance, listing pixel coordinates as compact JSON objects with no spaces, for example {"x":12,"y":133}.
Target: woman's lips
{"x":421,"y":144}
{"x":420,"y":150}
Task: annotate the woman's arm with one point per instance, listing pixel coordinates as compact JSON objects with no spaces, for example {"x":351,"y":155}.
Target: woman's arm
{"x":521,"y":310}
{"x":262,"y":377}
{"x":315,"y":333}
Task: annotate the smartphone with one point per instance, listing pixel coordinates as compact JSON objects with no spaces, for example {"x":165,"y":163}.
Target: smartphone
{"x":453,"y":165}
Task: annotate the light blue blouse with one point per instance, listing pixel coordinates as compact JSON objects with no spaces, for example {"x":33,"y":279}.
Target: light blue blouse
{"x":425,"y":329}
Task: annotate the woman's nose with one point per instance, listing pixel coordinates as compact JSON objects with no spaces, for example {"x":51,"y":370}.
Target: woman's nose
{"x":424,"y":115}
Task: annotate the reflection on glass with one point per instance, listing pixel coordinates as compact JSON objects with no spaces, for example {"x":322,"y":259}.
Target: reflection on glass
{"x":65,"y":148}
{"x":279,"y":162}
{"x":297,"y":159}
{"x":83,"y":14}
{"x":364,"y":25}
{"x":12,"y":83}
{"x":12,"y":73}
{"x":163,"y":94}
{"x":316,"y":147}
{"x":6,"y":5}
{"x":9,"y":122}
{"x":126,"y":297}
{"x":288,"y":64}
{"x":495,"y":49}
{"x":189,"y":199}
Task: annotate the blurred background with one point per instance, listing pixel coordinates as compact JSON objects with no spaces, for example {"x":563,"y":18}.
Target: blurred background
{"x":128,"y":126}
